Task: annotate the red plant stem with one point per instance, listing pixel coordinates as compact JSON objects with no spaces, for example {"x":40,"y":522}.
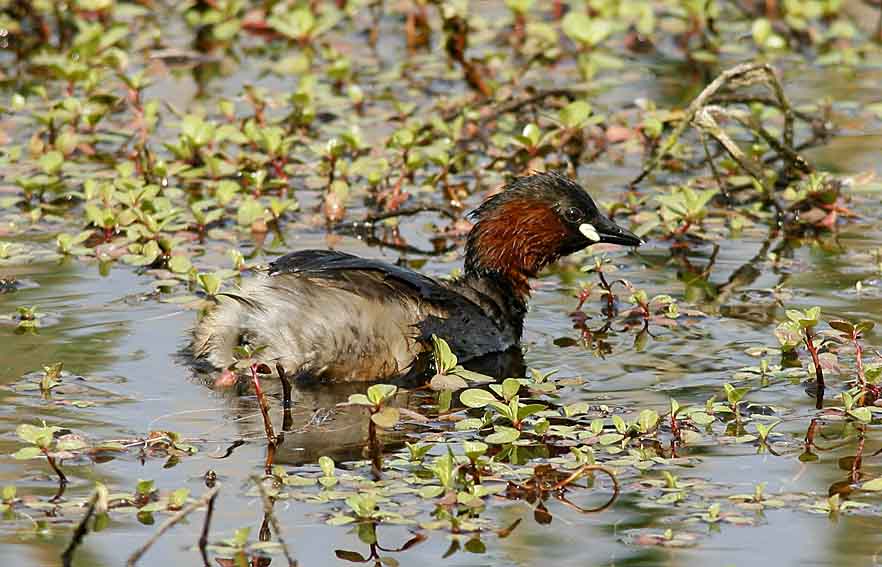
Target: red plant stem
{"x":858,"y":353}
{"x":270,"y":459}
{"x":520,"y":29}
{"x":675,"y":429}
{"x":819,"y":373}
{"x":271,"y":438}
{"x":475,"y":471}
{"x":392,"y":203}
{"x":683,"y":229}
{"x":810,"y":435}
{"x":610,"y":298}
{"x":138,"y":111}
{"x":278,"y":166}
{"x":264,"y":406}
{"x":374,"y":449}
{"x":583,"y":297}
{"x":62,"y":479}
{"x":858,"y":457}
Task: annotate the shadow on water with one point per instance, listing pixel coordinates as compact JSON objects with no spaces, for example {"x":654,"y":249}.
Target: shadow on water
{"x":321,"y":422}
{"x":118,"y":340}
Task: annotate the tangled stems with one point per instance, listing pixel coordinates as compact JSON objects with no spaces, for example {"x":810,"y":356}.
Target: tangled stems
{"x":540,"y":487}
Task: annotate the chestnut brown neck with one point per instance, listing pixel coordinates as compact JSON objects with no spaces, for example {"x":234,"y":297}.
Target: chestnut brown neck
{"x":513,"y":242}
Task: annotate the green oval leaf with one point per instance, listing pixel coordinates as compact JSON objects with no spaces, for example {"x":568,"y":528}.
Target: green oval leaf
{"x":179,"y":264}
{"x":575,"y":113}
{"x":503,"y":435}
{"x":27,"y":453}
{"x":359,"y":400}
{"x":386,"y":418}
{"x":476,"y":398}
{"x":874,"y":485}
{"x":380,"y":393}
{"x":610,"y":438}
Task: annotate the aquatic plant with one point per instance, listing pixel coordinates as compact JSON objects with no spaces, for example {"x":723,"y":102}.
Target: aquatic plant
{"x":388,"y":122}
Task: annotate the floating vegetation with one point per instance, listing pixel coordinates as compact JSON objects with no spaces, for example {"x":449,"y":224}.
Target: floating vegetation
{"x":726,"y":375}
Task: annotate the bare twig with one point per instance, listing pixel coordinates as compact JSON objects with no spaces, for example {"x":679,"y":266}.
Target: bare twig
{"x":699,"y":113}
{"x":370,"y":220}
{"x":81,"y":531}
{"x":268,"y":512}
{"x":371,"y":240}
{"x":721,"y":185}
{"x":765,"y":101}
{"x":516,"y":105}
{"x":169,"y":523}
{"x":786,"y":151}
{"x":704,"y":119}
{"x":203,"y":538}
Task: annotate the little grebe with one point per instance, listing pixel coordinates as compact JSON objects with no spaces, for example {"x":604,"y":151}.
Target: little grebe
{"x":330,"y":316}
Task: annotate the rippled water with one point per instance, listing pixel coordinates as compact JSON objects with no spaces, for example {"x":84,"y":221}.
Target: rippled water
{"x":108,"y":328}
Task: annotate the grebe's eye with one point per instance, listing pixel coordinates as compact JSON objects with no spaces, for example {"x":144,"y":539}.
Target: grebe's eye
{"x":573,"y":214}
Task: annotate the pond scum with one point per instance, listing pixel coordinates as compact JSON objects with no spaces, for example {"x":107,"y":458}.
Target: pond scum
{"x":355,"y":116}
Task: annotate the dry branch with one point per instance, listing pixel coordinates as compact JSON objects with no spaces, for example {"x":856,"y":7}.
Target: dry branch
{"x":169,"y":523}
{"x":700,"y":114}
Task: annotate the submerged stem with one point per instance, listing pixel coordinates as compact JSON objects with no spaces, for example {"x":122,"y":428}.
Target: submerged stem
{"x":272,"y":439}
{"x":203,"y":538}
{"x":610,"y":298}
{"x":819,"y":372}
{"x":273,"y":521}
{"x":62,"y":479}
{"x":166,"y":525}
{"x":80,"y":532}
{"x":580,"y":472}
{"x":858,"y":457}
{"x":375,"y":450}
{"x":287,"y":420}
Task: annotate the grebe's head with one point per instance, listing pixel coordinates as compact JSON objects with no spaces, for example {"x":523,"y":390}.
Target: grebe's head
{"x":534,"y":221}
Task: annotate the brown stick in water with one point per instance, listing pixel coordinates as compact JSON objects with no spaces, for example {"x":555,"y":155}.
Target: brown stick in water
{"x":169,"y":523}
